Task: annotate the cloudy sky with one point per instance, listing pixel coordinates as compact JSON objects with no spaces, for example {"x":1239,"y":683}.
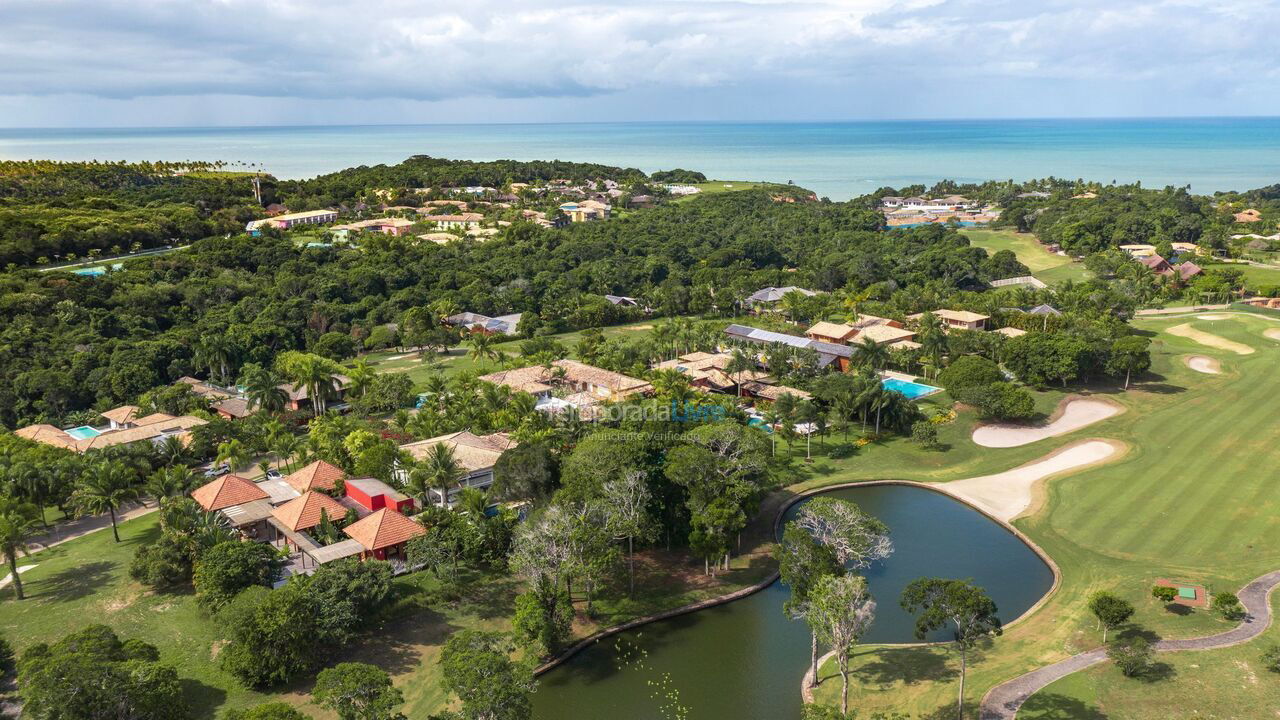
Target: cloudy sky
{"x":245,"y":62}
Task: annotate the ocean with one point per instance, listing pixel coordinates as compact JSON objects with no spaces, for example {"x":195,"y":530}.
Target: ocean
{"x":837,"y":160}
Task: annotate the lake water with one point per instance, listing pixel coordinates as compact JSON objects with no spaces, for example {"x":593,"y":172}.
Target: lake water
{"x":746,"y":659}
{"x":838,"y":160}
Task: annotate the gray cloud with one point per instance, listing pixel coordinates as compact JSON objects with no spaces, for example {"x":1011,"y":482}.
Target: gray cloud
{"x":872,"y":50}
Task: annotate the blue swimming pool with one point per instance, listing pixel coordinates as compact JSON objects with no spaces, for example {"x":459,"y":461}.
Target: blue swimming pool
{"x":759,"y":424}
{"x":84,"y":432}
{"x":912,"y":390}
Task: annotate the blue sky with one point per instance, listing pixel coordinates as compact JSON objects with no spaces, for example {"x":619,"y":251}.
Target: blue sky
{"x":245,"y":62}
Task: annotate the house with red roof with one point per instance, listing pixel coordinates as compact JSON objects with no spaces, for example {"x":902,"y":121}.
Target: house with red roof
{"x":384,"y":534}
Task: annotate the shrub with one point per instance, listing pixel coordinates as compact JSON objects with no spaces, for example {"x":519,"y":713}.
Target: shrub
{"x":274,"y":635}
{"x":229,"y":567}
{"x":1164,"y":593}
{"x":1000,"y":401}
{"x":1133,"y":656}
{"x":267,"y":711}
{"x":543,"y":627}
{"x":843,"y":450}
{"x":925,"y":434}
{"x":164,"y":564}
{"x":969,"y":371}
{"x":358,"y":691}
{"x":1271,"y":659}
{"x":1228,"y":605}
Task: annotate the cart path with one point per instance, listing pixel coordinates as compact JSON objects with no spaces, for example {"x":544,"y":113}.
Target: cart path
{"x":1003,"y":701}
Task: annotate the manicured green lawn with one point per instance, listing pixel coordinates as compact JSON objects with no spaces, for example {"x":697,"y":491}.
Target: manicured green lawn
{"x":420,"y":366}
{"x":1195,"y":498}
{"x":1185,"y":684}
{"x":1044,"y":265}
{"x":1254,"y":277}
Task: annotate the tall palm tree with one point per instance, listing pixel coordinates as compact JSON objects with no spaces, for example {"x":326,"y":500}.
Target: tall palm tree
{"x":217,"y":353}
{"x":264,"y":392}
{"x":234,"y":453}
{"x":17,"y":525}
{"x":871,"y":354}
{"x":30,"y":483}
{"x":317,"y":376}
{"x":739,"y":363}
{"x":168,"y":483}
{"x":105,"y":487}
{"x":444,"y":470}
{"x":361,"y":374}
{"x":482,"y":347}
{"x":172,"y":451}
{"x":418,"y":484}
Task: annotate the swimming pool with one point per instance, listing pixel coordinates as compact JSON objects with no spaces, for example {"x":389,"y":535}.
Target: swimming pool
{"x":912,"y":390}
{"x":759,"y":424}
{"x":84,"y":432}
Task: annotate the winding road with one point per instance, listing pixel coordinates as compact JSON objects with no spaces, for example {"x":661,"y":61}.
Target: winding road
{"x":1003,"y":701}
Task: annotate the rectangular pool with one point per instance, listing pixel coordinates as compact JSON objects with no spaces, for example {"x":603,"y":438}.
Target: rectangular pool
{"x":912,"y":390}
{"x":84,"y":432}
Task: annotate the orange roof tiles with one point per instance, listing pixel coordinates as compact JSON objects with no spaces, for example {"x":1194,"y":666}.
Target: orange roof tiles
{"x":383,"y":529}
{"x":319,"y":475}
{"x":303,"y":513}
{"x":227,"y":491}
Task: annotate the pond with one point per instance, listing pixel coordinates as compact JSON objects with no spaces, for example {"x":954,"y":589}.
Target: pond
{"x":746,"y":659}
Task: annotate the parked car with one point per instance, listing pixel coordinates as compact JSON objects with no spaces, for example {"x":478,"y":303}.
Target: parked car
{"x":274,"y":474}
{"x":217,"y":470}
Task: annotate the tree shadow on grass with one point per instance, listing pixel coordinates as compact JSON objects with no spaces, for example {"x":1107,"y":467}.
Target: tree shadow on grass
{"x":906,"y":665}
{"x":1158,"y":672}
{"x":397,"y":646}
{"x":1178,"y":609}
{"x":1135,"y":631}
{"x":1159,"y":388}
{"x":1052,"y":706}
{"x":202,"y":700}
{"x":73,"y":583}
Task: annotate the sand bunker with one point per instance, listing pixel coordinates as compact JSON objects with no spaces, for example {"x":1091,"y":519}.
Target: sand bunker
{"x":1206,"y":365}
{"x":1009,"y":494}
{"x":1273,"y":333}
{"x":1210,"y":340}
{"x":1074,"y":415}
{"x":1215,"y":316}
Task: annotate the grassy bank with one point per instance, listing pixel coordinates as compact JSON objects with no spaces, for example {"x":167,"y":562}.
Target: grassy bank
{"x":1194,"y":499}
{"x":1046,"y":266}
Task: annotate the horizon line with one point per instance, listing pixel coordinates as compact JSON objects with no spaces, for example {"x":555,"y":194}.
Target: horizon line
{"x":863,"y":121}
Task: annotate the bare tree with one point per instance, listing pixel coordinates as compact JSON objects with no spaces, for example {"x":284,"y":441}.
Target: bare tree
{"x":627,"y":516}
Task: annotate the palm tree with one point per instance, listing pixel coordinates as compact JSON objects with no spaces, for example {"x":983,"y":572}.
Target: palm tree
{"x":30,"y":483}
{"x":172,"y":451}
{"x":17,"y":525}
{"x":852,"y":302}
{"x":217,"y":353}
{"x":361,"y":374}
{"x":418,"y":485}
{"x":739,"y":363}
{"x":482,"y":347}
{"x":474,"y":502}
{"x":169,"y":483}
{"x":104,"y":488}
{"x":871,"y":354}
{"x":316,"y":375}
{"x":264,"y":392}
{"x":443,"y":470}
{"x":234,"y":453}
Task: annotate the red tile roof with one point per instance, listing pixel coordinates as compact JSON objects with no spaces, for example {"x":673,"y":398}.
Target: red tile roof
{"x":303,"y":513}
{"x":319,"y":475}
{"x":383,"y":529}
{"x":227,"y":491}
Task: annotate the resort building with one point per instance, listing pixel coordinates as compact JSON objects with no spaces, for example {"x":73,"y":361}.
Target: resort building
{"x":292,"y":220}
{"x":299,"y":398}
{"x":570,"y":384}
{"x":828,"y":353}
{"x":386,"y":226}
{"x":1248,"y":216}
{"x":477,"y":454}
{"x":485,"y":325}
{"x":767,"y":298}
{"x":372,"y":494}
{"x":585,"y":211}
{"x":706,"y":372}
{"x":464,"y":221}
{"x":957,"y":319}
{"x":881,"y":331}
{"x":1139,"y":250}
{"x":384,"y":534}
{"x":123,"y":427}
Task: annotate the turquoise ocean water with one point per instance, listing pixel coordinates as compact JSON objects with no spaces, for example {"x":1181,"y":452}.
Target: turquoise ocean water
{"x":838,"y":160}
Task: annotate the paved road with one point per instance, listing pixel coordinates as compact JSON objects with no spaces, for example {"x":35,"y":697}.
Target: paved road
{"x":1004,"y":700}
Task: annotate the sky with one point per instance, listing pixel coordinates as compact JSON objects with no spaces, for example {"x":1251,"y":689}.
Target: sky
{"x":103,"y":63}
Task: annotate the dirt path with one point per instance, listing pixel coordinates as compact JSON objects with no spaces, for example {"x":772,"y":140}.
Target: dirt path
{"x":1209,"y":339}
{"x":1003,"y":701}
{"x":1072,"y":415}
{"x":80,"y":527}
{"x":1203,"y":364}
